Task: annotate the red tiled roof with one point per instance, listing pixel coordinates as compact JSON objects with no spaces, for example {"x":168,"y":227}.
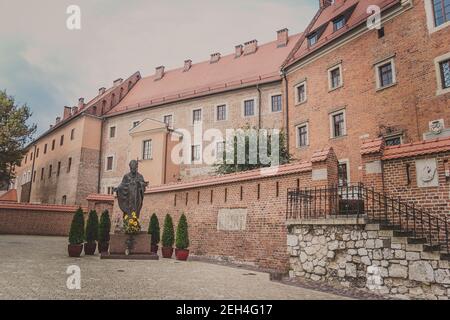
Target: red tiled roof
{"x":324,"y":23}
{"x":40,"y":207}
{"x":417,"y":149}
{"x":100,"y":197}
{"x":321,"y":155}
{"x":234,"y":177}
{"x":204,"y":78}
{"x":372,"y":146}
{"x":10,"y":196}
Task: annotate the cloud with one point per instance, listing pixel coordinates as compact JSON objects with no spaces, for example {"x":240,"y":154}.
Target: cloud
{"x":48,"y":66}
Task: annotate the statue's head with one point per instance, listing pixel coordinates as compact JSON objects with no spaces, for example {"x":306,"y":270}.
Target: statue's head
{"x":133,"y":166}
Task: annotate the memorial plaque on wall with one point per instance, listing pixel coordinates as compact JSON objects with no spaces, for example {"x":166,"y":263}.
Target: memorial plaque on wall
{"x":426,"y":172}
{"x":234,"y":219}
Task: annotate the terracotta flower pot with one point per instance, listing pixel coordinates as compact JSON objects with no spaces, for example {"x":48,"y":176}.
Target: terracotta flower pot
{"x":89,"y":248}
{"x":103,"y":247}
{"x":154,"y":248}
{"x":181,"y":254}
{"x":167,"y":252}
{"x":74,"y":250}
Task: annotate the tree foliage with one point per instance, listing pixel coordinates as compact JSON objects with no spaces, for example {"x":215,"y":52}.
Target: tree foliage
{"x":153,"y":229}
{"x":244,"y":138}
{"x":182,"y":241}
{"x":76,"y":234}
{"x":104,"y":227}
{"x":15,"y":133}
{"x":92,"y":227}
{"x":168,"y":236}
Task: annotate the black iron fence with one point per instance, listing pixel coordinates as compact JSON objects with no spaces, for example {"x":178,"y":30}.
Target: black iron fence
{"x":357,"y":200}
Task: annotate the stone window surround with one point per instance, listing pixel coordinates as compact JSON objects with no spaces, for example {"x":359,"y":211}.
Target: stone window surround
{"x":377,"y":65}
{"x":173,"y":118}
{"x":333,"y":113}
{"x":437,"y":66}
{"x":393,"y":136}
{"x":255,"y":107}
{"x":192,"y":115}
{"x":216,"y":105}
{"x":430,"y":18}
{"x":341,"y":79}
{"x":347,"y":162}
{"x":150,"y":149}
{"x":113,"y":162}
{"x":297,"y":140}
{"x":270,"y":101}
{"x":109,"y":131}
{"x":301,"y":83}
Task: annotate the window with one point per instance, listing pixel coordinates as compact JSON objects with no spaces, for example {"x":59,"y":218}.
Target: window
{"x":249,"y":108}
{"x":444,"y":68}
{"x":50,"y":169}
{"x":381,"y":33}
{"x":393,"y":140}
{"x":220,"y":150}
{"x":53,"y":144}
{"x":69,"y":164}
{"x":147,"y":149}
{"x":61,"y":140}
{"x":196,"y":116}
{"x":276,"y":103}
{"x":334,"y":76}
{"x":58,"y":171}
{"x":109,"y":163}
{"x":34,"y":176}
{"x":64,"y":200}
{"x":300,"y":92}
{"x":168,"y":120}
{"x":343,"y":173}
{"x":221,"y":113}
{"x":441,"y":10}
{"x":338,"y":124}
{"x":302,"y":135}
{"x":45,"y":149}
{"x":72,"y":134}
{"x":312,"y":39}
{"x":385,"y":73}
{"x":31,"y":156}
{"x":26,"y":157}
{"x":195,"y":153}
{"x":37,"y":153}
{"x":112,"y":132}
{"x":339,"y":23}
{"x":42,"y":174}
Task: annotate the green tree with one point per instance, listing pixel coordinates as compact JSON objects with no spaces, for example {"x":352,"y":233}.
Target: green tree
{"x":243,"y":137}
{"x":76,"y":234}
{"x":15,"y":133}
{"x":104,"y":227}
{"x":92,"y":227}
{"x":168,"y":236}
{"x":153,"y":229}
{"x":182,"y":233}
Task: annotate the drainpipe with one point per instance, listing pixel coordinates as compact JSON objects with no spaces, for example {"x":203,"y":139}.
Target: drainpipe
{"x":259,"y":106}
{"x":165,"y":157}
{"x":32,"y":172}
{"x":100,"y":155}
{"x":286,"y":118}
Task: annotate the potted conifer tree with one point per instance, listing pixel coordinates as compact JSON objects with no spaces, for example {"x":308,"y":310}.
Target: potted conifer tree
{"x":91,"y":233}
{"x":154,"y":231}
{"x":167,"y":237}
{"x":182,"y":242}
{"x":104,"y":229}
{"x":76,"y":234}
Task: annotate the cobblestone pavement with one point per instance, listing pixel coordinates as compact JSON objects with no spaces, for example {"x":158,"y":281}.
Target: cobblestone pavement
{"x":35,"y":268}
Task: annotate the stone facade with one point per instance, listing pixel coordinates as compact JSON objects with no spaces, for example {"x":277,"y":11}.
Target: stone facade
{"x":361,"y":255}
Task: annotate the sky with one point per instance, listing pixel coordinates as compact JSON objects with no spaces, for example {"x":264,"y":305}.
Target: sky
{"x":48,"y":66}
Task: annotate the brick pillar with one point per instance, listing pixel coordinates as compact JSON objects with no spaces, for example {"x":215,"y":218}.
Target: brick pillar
{"x":324,"y":168}
{"x":372,"y":165}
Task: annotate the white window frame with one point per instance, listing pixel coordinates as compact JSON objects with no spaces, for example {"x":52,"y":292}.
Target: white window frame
{"x":216,"y":149}
{"x":113,"y":162}
{"x":215,"y":112}
{"x":173,"y":119}
{"x":440,"y":86}
{"x":270,"y":102}
{"x":332,"y":123}
{"x":430,"y":18}
{"x":393,"y":136}
{"x":297,"y":98}
{"x":341,"y":78}
{"x":192,"y":116}
{"x":297,"y":137}
{"x":109,"y":132}
{"x":377,"y":73}
{"x":151,"y":149}
{"x":194,"y":160}
{"x":255,"y":107}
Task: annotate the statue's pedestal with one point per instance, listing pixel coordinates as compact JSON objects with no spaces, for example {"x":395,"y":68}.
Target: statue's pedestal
{"x":140,"y":250}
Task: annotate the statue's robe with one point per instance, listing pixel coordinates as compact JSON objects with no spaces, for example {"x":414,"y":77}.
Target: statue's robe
{"x":130,"y":193}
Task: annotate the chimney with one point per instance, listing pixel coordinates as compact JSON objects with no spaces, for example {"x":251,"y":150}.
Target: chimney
{"x":187,"y":65}
{"x":74,"y":110}
{"x":250,"y":47}
{"x":159,"y":72}
{"x":117,"y":82}
{"x":67,"y":112}
{"x":80,"y":103}
{"x":239,"y":49}
{"x":282,"y":37}
{"x":325,"y":3}
{"x":101,"y":91}
{"x":58,"y":120}
{"x":215,"y":57}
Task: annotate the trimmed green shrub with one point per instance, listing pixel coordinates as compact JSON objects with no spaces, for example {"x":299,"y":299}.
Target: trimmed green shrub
{"x":92,"y":227}
{"x":182,"y":233}
{"x":104,"y":227}
{"x":168,"y":233}
{"x":76,"y":234}
{"x":153,"y":229}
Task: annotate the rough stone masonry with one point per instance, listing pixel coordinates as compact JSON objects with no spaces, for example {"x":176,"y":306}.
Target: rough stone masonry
{"x":363,"y":256}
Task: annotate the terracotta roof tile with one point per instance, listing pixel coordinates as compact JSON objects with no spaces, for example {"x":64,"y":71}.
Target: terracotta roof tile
{"x":372,"y":146}
{"x":100,"y":197}
{"x":40,"y":207}
{"x":417,"y":149}
{"x":321,"y":155}
{"x":10,"y":196}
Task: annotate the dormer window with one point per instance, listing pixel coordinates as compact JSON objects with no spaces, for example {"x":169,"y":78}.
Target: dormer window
{"x":338,"y":23}
{"x":312,"y":39}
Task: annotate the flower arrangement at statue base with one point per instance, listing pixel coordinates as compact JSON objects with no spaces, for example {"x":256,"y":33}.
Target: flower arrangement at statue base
{"x":131,"y":227}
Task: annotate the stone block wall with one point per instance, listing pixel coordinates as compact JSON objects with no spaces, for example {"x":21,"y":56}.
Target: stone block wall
{"x":363,"y":256}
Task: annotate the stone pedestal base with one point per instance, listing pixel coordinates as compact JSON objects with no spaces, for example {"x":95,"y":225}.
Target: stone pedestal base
{"x":140,"y":250}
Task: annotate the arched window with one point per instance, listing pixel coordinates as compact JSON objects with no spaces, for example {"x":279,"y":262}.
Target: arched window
{"x":64,"y":199}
